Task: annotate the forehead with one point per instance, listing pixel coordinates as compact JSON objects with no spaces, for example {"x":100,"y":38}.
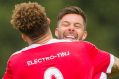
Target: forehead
{"x":72,"y":18}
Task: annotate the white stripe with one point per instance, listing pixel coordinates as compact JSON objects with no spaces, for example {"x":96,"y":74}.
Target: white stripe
{"x":36,"y":45}
{"x":58,"y":40}
{"x":111,"y":64}
{"x":103,"y":75}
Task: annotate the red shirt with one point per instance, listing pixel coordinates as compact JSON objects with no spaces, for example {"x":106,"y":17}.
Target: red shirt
{"x":59,"y":60}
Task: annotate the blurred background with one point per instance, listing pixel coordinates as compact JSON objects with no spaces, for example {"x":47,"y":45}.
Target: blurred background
{"x":103,"y":24}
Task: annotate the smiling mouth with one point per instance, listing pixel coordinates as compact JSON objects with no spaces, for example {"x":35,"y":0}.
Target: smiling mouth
{"x":70,"y":37}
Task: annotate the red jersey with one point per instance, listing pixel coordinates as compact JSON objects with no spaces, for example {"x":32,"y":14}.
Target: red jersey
{"x":59,"y":60}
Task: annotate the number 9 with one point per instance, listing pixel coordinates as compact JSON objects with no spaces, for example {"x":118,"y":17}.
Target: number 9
{"x":53,"y":72}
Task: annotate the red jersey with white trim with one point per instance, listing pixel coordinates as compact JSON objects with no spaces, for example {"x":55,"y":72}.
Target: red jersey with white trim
{"x":59,"y":60}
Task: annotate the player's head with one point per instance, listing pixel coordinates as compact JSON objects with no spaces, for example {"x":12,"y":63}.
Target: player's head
{"x":30,"y":19}
{"x":71,"y":24}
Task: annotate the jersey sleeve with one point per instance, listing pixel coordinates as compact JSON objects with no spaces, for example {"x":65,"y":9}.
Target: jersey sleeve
{"x":102,"y":60}
{"x":8,"y":72}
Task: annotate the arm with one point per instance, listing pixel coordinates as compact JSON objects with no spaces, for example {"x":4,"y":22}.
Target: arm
{"x":115,"y":67}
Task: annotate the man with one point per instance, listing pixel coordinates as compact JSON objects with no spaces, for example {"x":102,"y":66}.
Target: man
{"x":71,"y":24}
{"x":48,"y":58}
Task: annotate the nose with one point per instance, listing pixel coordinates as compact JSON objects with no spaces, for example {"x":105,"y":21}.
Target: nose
{"x":71,"y":28}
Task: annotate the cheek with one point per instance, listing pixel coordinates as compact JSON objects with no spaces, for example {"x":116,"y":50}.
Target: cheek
{"x":63,"y":27}
{"x":80,"y":32}
{"x":61,"y":30}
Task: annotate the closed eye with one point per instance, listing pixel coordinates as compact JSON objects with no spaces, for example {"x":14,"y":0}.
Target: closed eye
{"x":65,"y":23}
{"x":77,"y":25}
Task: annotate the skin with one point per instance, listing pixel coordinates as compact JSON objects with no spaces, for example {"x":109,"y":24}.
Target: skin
{"x":115,"y":68}
{"x":72,"y":27}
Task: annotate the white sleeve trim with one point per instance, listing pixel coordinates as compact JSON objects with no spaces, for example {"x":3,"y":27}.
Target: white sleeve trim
{"x":103,"y":75}
{"x":111,"y":64}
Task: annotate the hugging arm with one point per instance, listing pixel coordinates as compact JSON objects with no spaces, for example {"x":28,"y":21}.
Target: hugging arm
{"x":115,"y":67}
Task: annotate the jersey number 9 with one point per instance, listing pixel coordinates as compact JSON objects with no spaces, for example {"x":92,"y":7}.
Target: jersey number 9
{"x":53,"y":73}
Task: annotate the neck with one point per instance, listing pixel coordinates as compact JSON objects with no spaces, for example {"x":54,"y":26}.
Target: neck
{"x":42,"y":40}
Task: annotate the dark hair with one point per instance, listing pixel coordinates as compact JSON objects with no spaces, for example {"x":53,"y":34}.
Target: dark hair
{"x":72,"y":10}
{"x":30,"y":19}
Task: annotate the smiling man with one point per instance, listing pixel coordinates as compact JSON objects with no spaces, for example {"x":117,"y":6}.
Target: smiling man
{"x":71,"y":24}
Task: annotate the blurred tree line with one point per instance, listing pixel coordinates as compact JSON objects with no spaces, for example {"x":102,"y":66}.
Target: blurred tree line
{"x":102,"y":24}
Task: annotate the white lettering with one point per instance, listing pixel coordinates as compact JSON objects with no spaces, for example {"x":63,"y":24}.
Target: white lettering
{"x":29,"y":63}
{"x":44,"y":59}
{"x":52,"y":57}
{"x":39,"y":60}
{"x":47,"y":58}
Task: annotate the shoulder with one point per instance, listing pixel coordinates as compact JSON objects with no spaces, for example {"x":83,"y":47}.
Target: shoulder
{"x":23,"y":51}
{"x":85,"y":44}
{"x":81,"y":42}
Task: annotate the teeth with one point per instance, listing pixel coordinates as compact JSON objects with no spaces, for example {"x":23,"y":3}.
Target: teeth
{"x":70,"y":37}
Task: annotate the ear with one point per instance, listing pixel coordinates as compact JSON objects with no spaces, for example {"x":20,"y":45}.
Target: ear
{"x":23,"y":37}
{"x":56,"y":32}
{"x":49,"y":20}
{"x":84,"y":35}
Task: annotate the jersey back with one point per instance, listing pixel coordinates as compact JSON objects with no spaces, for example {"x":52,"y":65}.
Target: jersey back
{"x":65,"y":60}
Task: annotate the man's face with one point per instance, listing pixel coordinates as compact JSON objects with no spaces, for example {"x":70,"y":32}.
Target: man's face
{"x":71,"y":26}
